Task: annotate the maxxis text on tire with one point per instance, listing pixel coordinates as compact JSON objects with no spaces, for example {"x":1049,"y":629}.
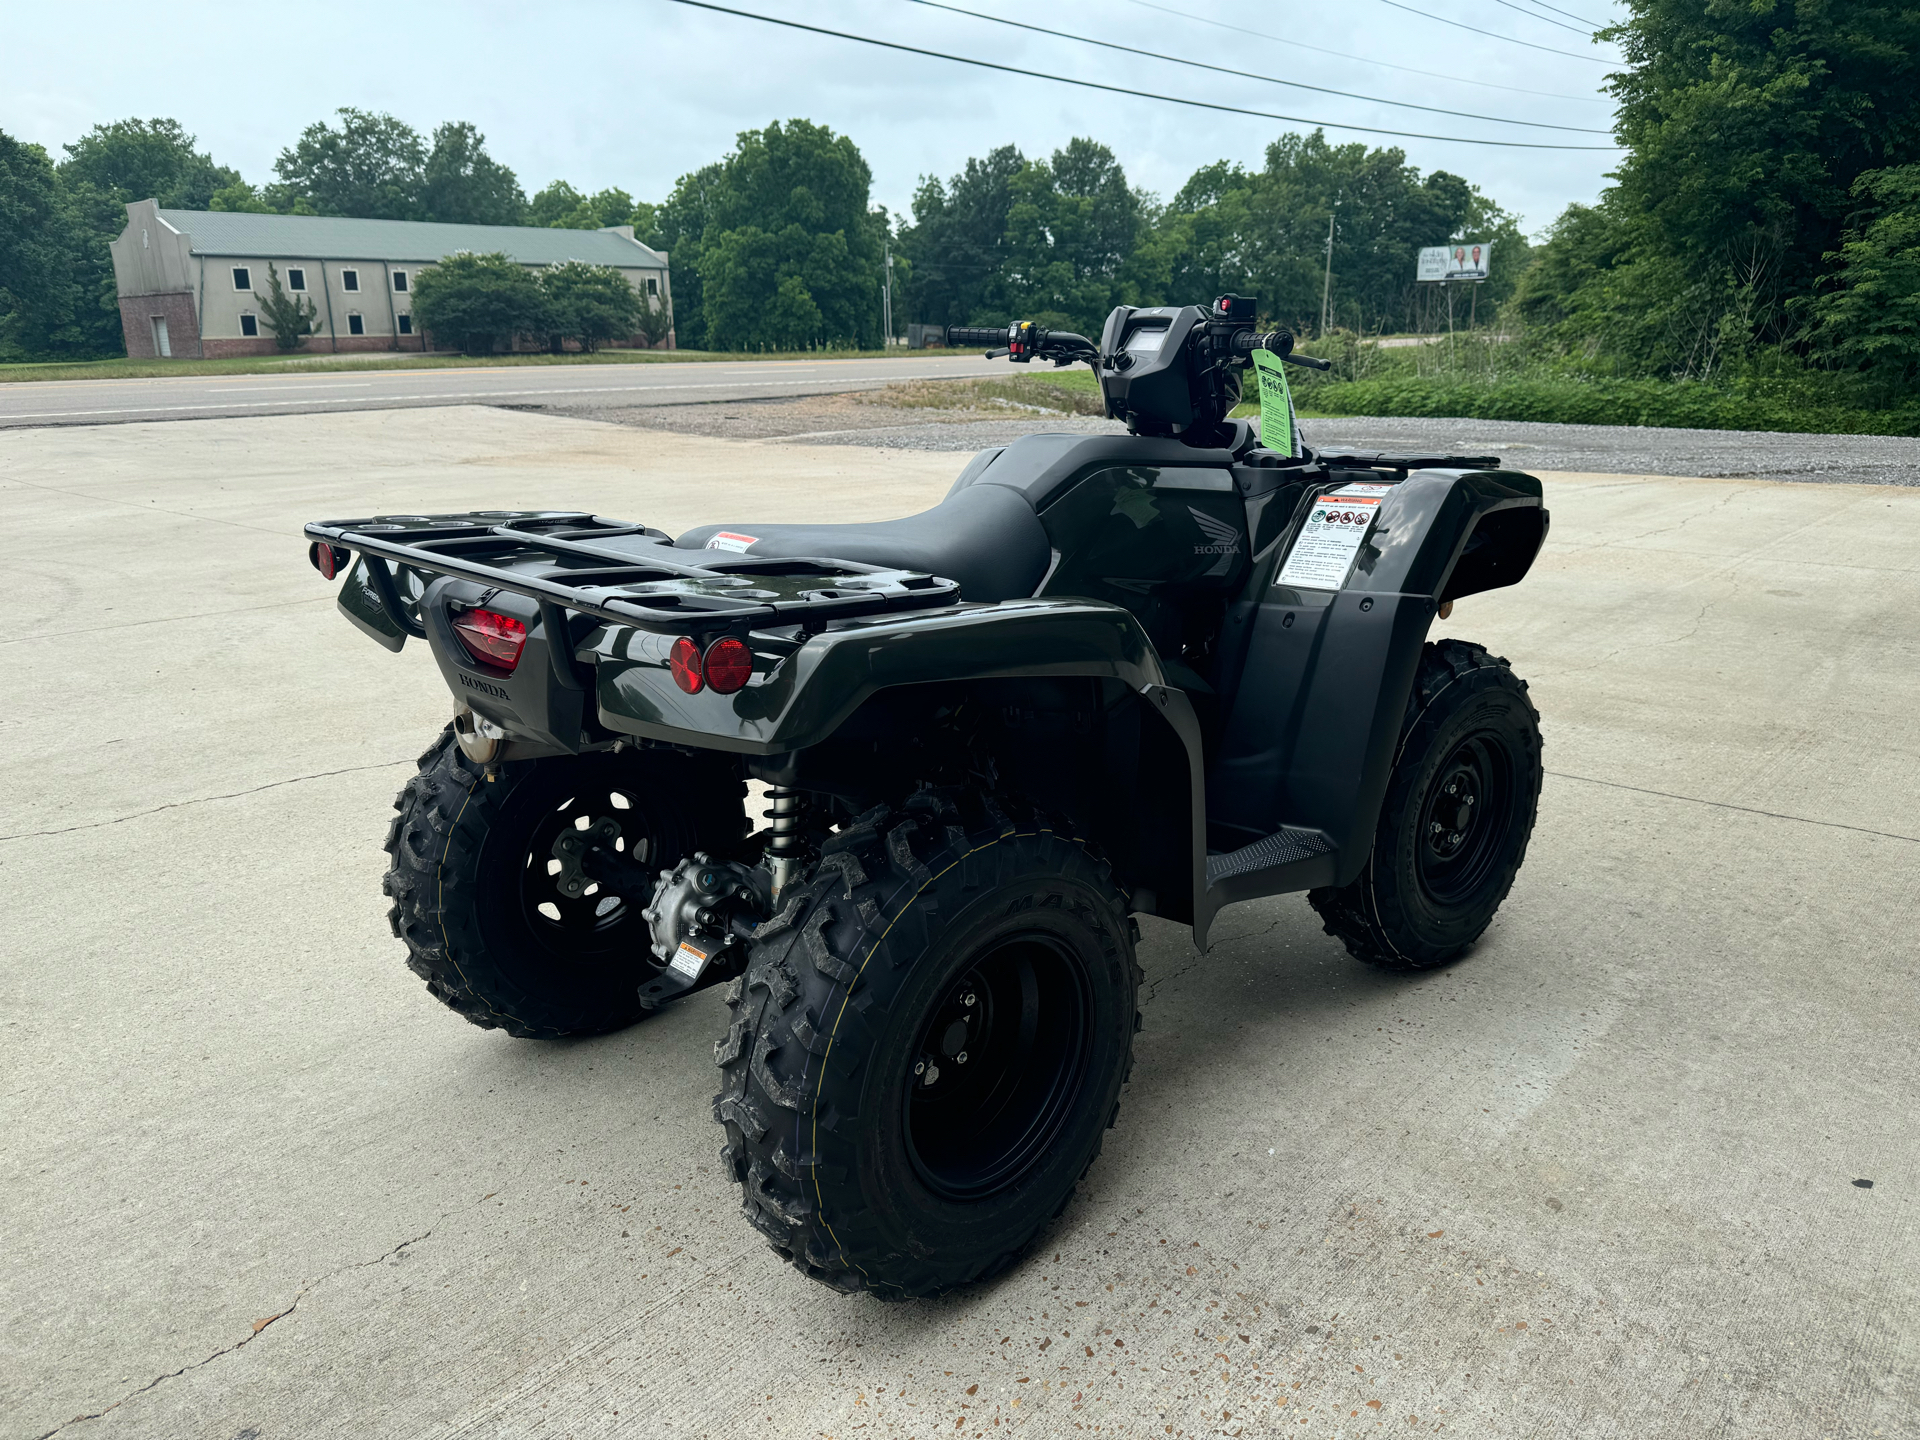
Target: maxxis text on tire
{"x":484,"y":926}
{"x":928,"y":1044}
{"x":1455,"y":824}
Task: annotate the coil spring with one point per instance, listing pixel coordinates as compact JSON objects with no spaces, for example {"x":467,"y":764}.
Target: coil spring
{"x":784,"y":845}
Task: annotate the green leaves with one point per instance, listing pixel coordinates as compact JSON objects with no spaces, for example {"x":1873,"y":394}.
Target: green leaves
{"x":289,"y":317}
{"x":591,"y":304}
{"x":370,"y":167}
{"x":774,"y":247}
{"x":1745,"y":226}
{"x":476,"y":301}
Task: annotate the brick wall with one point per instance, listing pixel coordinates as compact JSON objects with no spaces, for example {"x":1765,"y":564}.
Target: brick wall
{"x":176,"y":307}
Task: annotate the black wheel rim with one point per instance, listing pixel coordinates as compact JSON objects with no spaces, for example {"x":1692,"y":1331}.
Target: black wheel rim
{"x":599,"y":919}
{"x":1000,"y":1067}
{"x":1465,"y":819}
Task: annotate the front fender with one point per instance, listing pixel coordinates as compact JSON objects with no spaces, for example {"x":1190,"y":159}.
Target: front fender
{"x":800,"y":699}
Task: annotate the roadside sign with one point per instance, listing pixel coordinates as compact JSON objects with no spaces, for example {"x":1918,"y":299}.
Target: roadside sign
{"x":1462,"y":260}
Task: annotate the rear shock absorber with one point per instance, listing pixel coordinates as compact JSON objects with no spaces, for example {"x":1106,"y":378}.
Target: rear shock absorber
{"x":784,"y":846}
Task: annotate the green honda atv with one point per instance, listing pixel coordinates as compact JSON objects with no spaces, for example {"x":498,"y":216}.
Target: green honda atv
{"x":1151,"y":673}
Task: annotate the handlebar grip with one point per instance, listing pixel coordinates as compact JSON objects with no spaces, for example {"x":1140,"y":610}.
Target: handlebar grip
{"x":977,"y":335}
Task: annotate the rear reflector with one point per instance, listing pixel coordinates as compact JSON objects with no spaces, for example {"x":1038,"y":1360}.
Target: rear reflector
{"x":684,"y":659}
{"x":728,"y":664}
{"x":490,"y":637}
{"x":329,"y":560}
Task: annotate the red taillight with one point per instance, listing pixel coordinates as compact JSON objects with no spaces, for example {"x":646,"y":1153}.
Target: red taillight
{"x":490,"y":637}
{"x":327,"y":559}
{"x":728,"y":664}
{"x":684,"y":658}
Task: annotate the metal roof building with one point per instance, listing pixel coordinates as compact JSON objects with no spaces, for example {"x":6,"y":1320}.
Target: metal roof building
{"x":188,"y":279}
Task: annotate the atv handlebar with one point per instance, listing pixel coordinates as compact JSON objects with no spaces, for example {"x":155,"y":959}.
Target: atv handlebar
{"x":1024,"y":341}
{"x":977,"y":335}
{"x":1277,"y":342}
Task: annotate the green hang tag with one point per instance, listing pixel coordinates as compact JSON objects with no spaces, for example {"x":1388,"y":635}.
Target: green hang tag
{"x":1277,"y":406}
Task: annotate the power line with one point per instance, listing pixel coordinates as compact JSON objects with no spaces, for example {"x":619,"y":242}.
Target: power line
{"x":1592,"y":24}
{"x":1496,"y":35}
{"x":1584,"y":34}
{"x":1248,"y":75}
{"x":1123,"y":90}
{"x":1367,"y":60}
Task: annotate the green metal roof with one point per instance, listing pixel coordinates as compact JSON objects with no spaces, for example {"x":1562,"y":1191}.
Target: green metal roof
{"x":333,"y":237}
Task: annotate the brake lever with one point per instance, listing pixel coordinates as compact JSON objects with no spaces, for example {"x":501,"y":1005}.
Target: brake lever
{"x":1309,"y":362}
{"x":996,"y":354}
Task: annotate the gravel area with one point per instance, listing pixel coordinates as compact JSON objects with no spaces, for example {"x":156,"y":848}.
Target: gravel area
{"x":1526,"y":445}
{"x":1641,"y":449}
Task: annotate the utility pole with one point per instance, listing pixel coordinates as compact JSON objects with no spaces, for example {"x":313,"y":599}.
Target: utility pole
{"x":887,"y":299}
{"x":1327,"y":273}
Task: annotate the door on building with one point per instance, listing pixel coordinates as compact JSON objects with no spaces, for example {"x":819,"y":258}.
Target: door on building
{"x":160,"y":346}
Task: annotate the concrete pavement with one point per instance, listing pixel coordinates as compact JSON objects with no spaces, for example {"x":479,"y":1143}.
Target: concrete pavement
{"x":1602,"y":1177}
{"x":578,"y":386}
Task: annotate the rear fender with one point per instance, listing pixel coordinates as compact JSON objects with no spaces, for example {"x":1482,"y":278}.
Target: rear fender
{"x":800,"y":698}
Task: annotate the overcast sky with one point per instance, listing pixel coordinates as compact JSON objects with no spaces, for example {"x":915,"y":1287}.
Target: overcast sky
{"x":635,"y":93}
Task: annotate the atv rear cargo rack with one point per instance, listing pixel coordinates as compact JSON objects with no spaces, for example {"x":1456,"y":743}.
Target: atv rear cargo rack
{"x":617,"y":571}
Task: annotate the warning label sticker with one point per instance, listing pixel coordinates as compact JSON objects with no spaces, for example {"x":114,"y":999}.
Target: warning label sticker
{"x":688,"y":961}
{"x":730,"y":540}
{"x":1324,"y":552}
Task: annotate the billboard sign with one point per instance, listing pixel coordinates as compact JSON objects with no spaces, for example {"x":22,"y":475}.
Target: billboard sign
{"x":1463,"y":260}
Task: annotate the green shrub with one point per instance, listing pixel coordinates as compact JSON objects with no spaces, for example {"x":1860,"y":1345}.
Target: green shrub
{"x":471,"y":301}
{"x":1607,"y":402}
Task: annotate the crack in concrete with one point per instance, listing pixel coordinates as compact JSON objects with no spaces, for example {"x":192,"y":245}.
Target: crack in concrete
{"x":258,"y":1327}
{"x":1154,"y":987}
{"x":202,"y":800}
{"x":1730,"y":806}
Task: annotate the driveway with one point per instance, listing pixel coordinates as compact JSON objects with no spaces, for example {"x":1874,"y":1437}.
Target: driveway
{"x":1609,"y":1175}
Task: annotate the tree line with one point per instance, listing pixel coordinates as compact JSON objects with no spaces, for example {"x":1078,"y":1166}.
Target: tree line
{"x":57,"y":294}
{"x":1762,"y":220}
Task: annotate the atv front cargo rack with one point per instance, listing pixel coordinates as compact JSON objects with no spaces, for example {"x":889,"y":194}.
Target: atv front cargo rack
{"x":618,"y":572}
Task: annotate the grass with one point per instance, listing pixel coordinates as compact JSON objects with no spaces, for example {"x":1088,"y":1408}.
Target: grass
{"x":124,"y":369}
{"x":1061,"y":392}
{"x":1482,"y":376}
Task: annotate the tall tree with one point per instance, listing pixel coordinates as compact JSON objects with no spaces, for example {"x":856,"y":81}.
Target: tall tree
{"x":462,"y":183}
{"x":145,"y":159}
{"x":958,"y":242}
{"x":37,"y":292}
{"x":1072,"y":224}
{"x":373,"y":167}
{"x":679,"y":224}
{"x":788,"y":252}
{"x":562,"y":207}
{"x":1751,"y":132}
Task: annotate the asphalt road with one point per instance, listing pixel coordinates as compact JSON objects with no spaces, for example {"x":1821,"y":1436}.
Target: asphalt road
{"x":1607,"y":1176}
{"x":578,"y":387}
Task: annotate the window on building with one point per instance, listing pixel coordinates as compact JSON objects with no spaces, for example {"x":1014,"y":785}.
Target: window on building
{"x":406,"y":323}
{"x":296,"y":278}
{"x":355,"y":325}
{"x":350,"y":280}
{"x":242,"y":278}
{"x":653,"y":286}
{"x":249,"y":323}
{"x":400,"y":280}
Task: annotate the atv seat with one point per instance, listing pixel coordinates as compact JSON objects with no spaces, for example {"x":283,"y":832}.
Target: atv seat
{"x":986,"y":538}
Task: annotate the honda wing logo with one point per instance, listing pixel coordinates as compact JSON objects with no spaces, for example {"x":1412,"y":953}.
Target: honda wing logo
{"x":1223,"y":538}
